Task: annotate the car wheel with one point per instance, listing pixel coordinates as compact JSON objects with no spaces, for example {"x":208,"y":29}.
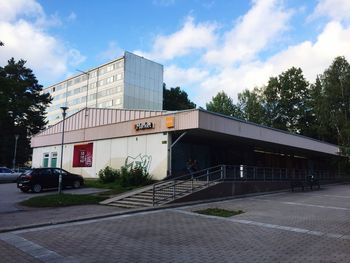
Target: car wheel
{"x":24,"y":190}
{"x":37,"y":188}
{"x":76,"y":184}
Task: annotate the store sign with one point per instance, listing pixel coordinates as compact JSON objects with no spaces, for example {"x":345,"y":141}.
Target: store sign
{"x":170,"y":122}
{"x":82,"y":155}
{"x":144,"y":125}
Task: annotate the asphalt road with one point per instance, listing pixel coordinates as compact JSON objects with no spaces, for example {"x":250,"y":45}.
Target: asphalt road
{"x":10,"y":195}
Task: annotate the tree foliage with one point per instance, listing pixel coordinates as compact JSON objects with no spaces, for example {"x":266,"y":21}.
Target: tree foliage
{"x":250,"y":107}
{"x":320,"y":110}
{"x":176,"y":99}
{"x":22,"y":110}
{"x":222,"y":103}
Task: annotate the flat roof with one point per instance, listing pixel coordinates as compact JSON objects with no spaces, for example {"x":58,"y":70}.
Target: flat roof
{"x":98,"y":124}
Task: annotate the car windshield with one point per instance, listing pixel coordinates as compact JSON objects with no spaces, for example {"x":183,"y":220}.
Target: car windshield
{"x":28,"y":171}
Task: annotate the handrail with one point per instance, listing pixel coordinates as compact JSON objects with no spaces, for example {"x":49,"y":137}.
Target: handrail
{"x":187,"y":175}
{"x":236,"y":173}
{"x":177,"y":181}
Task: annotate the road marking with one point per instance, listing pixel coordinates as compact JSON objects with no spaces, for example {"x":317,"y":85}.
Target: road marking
{"x":35,"y":250}
{"x":271,"y":226}
{"x":319,"y":206}
{"x":337,"y":196}
{"x":304,"y":204}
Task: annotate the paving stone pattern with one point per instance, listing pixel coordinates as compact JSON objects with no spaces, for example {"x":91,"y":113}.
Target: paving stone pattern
{"x":284,"y":228}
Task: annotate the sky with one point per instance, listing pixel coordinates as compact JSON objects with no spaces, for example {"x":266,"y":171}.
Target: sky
{"x":206,"y":46}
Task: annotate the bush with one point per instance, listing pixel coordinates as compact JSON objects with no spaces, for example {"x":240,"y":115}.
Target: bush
{"x":134,"y":177}
{"x":108,"y":175}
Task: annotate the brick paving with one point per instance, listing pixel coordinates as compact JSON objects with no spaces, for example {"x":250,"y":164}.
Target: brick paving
{"x":285,"y":227}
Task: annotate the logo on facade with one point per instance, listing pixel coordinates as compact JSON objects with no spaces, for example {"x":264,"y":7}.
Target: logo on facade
{"x":144,"y":125}
{"x":170,"y":122}
{"x":140,"y":161}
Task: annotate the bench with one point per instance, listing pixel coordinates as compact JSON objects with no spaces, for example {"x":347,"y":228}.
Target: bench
{"x":309,"y":180}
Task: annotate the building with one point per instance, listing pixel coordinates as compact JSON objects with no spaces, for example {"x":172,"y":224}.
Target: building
{"x":162,"y":142}
{"x":129,"y":82}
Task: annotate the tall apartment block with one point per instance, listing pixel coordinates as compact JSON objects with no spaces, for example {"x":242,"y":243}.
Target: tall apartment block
{"x":129,"y":82}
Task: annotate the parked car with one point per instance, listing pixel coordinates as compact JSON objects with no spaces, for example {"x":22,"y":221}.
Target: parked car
{"x":7,"y":175}
{"x":37,"y":179}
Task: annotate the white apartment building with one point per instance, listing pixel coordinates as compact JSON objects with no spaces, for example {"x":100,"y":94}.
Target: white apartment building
{"x":129,"y":82}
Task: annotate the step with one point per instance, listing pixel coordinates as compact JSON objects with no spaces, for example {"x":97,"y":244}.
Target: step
{"x":134,"y":203}
{"x":123,"y":205}
{"x":135,"y":199}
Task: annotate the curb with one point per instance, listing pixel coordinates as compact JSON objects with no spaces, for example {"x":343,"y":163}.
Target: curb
{"x":142,"y":210}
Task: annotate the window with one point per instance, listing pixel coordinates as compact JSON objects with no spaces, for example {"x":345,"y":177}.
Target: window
{"x":110,"y":68}
{"x":93,"y":85}
{"x":58,"y":171}
{"x":93,"y":74}
{"x":54,"y":159}
{"x":46,"y":160}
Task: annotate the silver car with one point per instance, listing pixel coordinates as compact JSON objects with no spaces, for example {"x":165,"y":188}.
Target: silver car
{"x":7,"y":175}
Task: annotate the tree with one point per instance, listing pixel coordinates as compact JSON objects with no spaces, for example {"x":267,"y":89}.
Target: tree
{"x":285,"y":99}
{"x":176,"y":99}
{"x":335,"y":100}
{"x":250,"y":106}
{"x":22,"y":110}
{"x":222,"y":103}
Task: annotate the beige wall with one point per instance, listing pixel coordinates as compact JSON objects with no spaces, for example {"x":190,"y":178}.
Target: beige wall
{"x":114,"y":152}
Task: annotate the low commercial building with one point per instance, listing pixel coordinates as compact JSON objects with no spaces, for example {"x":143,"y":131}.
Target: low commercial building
{"x":163,"y":142}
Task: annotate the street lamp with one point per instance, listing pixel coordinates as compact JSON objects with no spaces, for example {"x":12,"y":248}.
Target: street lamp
{"x":15,"y":152}
{"x":64,"y":113}
{"x":87,"y":85}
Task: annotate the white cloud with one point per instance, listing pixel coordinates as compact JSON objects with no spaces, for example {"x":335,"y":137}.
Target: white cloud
{"x":312,"y":58}
{"x":260,"y":26}
{"x":112,"y":52}
{"x":334,"y":9}
{"x":10,"y":10}
{"x":23,"y":29}
{"x":175,"y":75}
{"x":189,"y":38}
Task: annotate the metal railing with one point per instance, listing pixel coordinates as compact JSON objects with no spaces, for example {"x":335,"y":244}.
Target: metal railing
{"x":171,"y":189}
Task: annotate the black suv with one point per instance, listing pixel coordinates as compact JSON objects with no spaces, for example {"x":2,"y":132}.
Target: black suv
{"x":37,"y":179}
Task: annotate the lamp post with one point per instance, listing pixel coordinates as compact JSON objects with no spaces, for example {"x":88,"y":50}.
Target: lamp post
{"x":64,"y":113}
{"x":87,"y":85}
{"x":15,"y":152}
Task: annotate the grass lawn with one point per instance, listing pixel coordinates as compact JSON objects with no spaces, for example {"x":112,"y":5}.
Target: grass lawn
{"x":113,"y":188}
{"x":56,"y":200}
{"x":219,"y":212}
{"x":59,"y":200}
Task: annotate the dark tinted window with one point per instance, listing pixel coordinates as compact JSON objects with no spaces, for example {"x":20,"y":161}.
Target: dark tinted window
{"x":58,"y":171}
{"x":5,"y":170}
{"x":44,"y":172}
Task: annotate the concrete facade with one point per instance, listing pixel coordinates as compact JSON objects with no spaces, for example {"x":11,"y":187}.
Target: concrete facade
{"x":150,"y":151}
{"x":129,"y":82}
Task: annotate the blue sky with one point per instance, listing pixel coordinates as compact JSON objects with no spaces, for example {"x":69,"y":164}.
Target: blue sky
{"x":205,"y":45}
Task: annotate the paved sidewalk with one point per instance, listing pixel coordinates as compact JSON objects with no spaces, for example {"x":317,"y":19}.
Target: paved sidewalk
{"x":284,"y":227}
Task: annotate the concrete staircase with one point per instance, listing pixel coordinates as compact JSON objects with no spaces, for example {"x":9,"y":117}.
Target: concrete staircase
{"x":164,"y":193}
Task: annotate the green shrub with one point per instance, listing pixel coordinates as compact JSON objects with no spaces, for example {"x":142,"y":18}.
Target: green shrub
{"x":108,"y":175}
{"x":133,"y":177}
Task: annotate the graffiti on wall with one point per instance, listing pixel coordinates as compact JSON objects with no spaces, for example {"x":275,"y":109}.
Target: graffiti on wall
{"x":140,"y":161}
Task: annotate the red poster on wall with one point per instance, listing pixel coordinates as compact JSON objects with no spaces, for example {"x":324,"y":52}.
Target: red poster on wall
{"x":82,"y":155}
